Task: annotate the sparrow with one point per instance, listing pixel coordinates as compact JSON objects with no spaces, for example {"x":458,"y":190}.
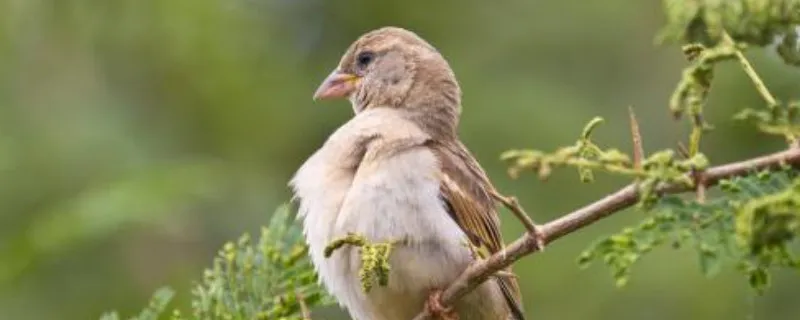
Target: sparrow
{"x":397,"y":171}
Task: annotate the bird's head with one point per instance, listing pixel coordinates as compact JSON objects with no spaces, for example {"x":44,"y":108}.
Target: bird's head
{"x":394,"y":68}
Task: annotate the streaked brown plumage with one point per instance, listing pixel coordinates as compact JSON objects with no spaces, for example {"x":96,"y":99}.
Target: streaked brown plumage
{"x":402,"y":142}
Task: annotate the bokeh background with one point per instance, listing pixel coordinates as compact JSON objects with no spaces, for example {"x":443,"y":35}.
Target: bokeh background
{"x":137,"y":136}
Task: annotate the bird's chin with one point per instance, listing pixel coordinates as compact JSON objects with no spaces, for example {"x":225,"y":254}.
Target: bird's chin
{"x":357,"y":107}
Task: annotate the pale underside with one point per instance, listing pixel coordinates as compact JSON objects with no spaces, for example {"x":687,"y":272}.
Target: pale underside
{"x":374,"y":177}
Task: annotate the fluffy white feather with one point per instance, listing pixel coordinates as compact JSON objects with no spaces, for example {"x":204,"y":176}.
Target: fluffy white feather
{"x":373,"y":177}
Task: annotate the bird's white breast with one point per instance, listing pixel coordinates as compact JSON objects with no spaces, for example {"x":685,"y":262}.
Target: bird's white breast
{"x":390,"y":196}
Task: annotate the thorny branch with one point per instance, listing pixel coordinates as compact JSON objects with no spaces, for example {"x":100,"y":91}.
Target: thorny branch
{"x":626,"y":197}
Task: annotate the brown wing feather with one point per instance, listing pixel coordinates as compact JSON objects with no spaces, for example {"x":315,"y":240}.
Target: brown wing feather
{"x":466,"y":190}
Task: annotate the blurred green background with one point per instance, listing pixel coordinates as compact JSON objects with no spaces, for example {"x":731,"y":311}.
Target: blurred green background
{"x":137,"y":136}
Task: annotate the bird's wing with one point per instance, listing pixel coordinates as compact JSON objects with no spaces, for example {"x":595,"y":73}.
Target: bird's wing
{"x":466,"y":191}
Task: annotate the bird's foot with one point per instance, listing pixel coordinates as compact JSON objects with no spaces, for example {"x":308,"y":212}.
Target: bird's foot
{"x":435,"y":307}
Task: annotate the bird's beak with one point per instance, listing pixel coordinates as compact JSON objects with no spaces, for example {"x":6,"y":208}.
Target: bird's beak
{"x":337,"y":85}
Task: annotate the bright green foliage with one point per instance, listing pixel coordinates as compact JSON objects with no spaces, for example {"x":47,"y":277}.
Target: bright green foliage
{"x":374,"y":259}
{"x":761,"y":210}
{"x":263,"y":280}
{"x":693,"y":88}
{"x":584,"y":155}
{"x":758,"y":22}
{"x":269,"y":278}
{"x":789,"y":49}
{"x":765,"y":224}
{"x":153,"y":311}
{"x":660,"y":167}
{"x":715,"y":31}
{"x":776,"y":120}
{"x":756,"y":218}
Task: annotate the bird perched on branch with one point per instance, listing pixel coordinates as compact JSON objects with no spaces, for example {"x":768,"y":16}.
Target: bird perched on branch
{"x":397,"y":172}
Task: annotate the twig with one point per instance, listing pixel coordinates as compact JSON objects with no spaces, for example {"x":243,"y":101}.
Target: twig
{"x":478,"y":272}
{"x":758,"y":83}
{"x":512,"y":204}
{"x":748,"y":68}
{"x":699,"y":177}
{"x":303,"y":306}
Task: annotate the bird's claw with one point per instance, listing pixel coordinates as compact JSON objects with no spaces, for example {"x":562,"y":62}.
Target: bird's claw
{"x":435,"y":307}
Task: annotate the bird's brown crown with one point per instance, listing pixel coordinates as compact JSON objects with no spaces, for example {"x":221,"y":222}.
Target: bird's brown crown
{"x":394,"y":68}
{"x":383,"y":41}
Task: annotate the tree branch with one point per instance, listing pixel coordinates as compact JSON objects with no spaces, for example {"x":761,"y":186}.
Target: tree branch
{"x":478,"y":272}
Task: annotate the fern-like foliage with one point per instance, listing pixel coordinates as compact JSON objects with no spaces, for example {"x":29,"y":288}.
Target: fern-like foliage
{"x":713,"y":31}
{"x":266,"y":278}
{"x":757,"y":22}
{"x":155,"y":309}
{"x":661,"y":167}
{"x":761,"y":209}
{"x":754,"y":220}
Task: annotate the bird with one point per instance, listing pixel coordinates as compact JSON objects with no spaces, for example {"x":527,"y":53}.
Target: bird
{"x":397,"y":171}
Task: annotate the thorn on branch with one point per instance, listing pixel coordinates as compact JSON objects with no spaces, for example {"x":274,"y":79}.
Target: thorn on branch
{"x":636,"y":135}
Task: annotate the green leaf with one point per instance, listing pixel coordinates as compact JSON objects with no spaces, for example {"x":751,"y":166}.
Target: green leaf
{"x":759,"y":279}
{"x":158,"y":304}
{"x":268,"y":277}
{"x":710,"y":262}
{"x":761,"y":210}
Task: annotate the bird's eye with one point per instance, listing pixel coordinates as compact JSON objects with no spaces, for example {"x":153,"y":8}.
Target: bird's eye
{"x":365,"y":58}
